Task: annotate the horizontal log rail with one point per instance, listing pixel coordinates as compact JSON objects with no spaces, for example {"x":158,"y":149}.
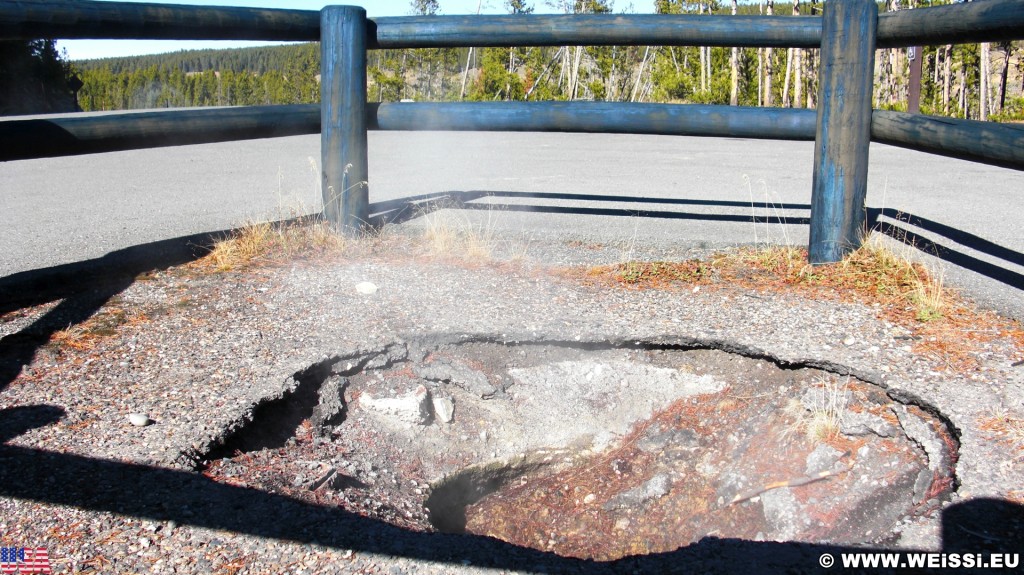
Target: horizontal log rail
{"x":139,"y":21}
{"x":982,"y":142}
{"x":68,"y":136}
{"x":985,"y":21}
{"x":988,"y":21}
{"x":598,"y":117}
{"x":596,"y":30}
{"x":53,"y":136}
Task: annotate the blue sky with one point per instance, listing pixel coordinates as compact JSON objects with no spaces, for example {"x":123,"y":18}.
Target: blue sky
{"x":84,"y":49}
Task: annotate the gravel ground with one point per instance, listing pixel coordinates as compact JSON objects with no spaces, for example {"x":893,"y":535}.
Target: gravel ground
{"x":197,"y":353}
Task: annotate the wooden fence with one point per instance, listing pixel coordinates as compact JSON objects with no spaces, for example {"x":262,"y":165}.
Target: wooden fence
{"x":842,"y":126}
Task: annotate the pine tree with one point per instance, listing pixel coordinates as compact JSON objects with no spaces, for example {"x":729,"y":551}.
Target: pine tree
{"x":34,"y":78}
{"x":425,"y":7}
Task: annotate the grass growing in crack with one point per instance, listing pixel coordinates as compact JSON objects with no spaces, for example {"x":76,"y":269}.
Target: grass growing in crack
{"x":451,"y":233}
{"x":823,"y":420}
{"x":784,"y":261}
{"x":874,"y":272}
{"x":257,"y":241}
{"x":446,"y":234}
{"x":295,"y":233}
{"x":878,"y":269}
{"x":654,"y":274}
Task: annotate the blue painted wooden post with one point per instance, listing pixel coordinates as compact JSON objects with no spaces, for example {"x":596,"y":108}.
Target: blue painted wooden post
{"x":844,"y":129}
{"x":343,"y":117}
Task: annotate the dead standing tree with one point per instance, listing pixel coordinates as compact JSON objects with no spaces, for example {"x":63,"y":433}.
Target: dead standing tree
{"x":793,"y":57}
{"x":734,"y":65}
{"x":984,"y":82}
{"x":811,"y":64}
{"x":768,"y":67}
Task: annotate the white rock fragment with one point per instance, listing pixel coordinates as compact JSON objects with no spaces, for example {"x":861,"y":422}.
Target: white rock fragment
{"x":444,"y":409}
{"x":139,"y":419}
{"x":366,"y":288}
{"x":412,"y":408}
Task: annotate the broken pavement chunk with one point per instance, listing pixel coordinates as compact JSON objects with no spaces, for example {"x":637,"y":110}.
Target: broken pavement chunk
{"x":459,"y":375}
{"x":411,"y":408}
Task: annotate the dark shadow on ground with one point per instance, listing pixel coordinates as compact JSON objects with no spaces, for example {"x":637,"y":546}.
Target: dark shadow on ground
{"x":405,"y":209}
{"x":985,"y":526}
{"x":907,"y":228}
{"x":899,"y":225}
{"x":82,"y":288}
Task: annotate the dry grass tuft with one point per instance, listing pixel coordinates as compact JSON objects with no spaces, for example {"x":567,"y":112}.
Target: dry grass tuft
{"x":451,"y":233}
{"x":823,"y":420}
{"x":447,"y":233}
{"x":872,"y":273}
{"x":653,"y":275}
{"x":266,"y":241}
{"x":785,"y":262}
{"x":878,"y":270}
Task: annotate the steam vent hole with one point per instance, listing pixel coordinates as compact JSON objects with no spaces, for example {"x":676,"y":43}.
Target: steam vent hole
{"x":595,"y":450}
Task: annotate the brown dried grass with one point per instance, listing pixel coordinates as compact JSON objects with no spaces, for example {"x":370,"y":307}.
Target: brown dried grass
{"x":946,"y":327}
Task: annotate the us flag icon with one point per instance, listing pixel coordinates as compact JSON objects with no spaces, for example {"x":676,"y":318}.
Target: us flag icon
{"x":24,"y":560}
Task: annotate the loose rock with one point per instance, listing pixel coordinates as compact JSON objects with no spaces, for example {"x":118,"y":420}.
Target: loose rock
{"x":444,"y":409}
{"x":139,"y":419}
{"x":412,"y":408}
{"x":366,"y":288}
{"x":459,"y":375}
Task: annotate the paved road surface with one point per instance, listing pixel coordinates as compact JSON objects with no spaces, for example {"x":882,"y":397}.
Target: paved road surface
{"x":697,"y":191}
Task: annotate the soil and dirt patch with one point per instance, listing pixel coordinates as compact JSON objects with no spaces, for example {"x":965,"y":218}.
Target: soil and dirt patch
{"x":593,"y":450}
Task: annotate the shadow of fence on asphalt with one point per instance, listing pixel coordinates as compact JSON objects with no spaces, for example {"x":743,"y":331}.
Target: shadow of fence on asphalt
{"x":904,"y":227}
{"x":190,"y":498}
{"x":405,"y":209}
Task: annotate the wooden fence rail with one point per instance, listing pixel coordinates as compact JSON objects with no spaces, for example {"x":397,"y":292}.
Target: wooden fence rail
{"x":843,"y":125}
{"x":983,"y":142}
{"x":987,"y":20}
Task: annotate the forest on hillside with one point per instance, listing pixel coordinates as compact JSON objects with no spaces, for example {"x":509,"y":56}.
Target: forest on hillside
{"x":978,"y":81}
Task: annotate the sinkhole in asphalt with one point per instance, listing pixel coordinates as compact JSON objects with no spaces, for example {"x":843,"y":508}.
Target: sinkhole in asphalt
{"x":596,"y":450}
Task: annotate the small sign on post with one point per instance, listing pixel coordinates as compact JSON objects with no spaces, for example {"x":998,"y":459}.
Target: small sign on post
{"x":915,"y":55}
